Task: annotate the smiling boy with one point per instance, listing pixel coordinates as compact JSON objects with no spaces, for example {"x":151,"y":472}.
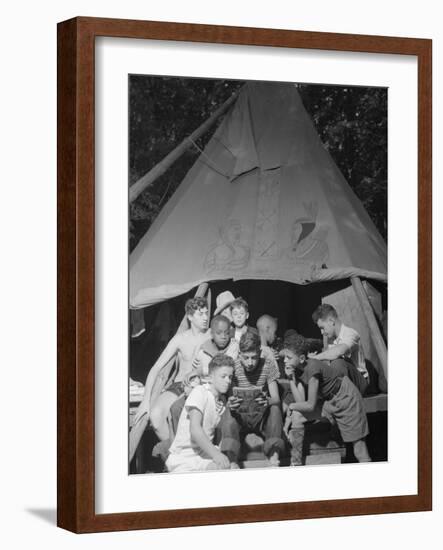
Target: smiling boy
{"x":193,"y":448}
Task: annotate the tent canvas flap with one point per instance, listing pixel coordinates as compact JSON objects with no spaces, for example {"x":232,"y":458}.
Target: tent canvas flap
{"x":264,"y":201}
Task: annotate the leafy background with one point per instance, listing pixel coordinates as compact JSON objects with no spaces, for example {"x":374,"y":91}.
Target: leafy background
{"x":351,"y":122}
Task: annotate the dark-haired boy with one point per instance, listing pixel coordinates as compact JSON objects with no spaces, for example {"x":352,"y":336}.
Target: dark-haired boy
{"x":219,"y":343}
{"x":343,"y":403}
{"x":184,"y":346}
{"x":257,"y":370}
{"x":344,"y":351}
{"x":193,"y":447}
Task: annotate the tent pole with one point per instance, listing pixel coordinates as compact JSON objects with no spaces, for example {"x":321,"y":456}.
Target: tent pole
{"x":145,"y":181}
{"x":368,"y":312}
{"x":137,"y":431}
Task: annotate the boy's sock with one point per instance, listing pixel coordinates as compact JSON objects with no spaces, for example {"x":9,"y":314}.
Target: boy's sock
{"x":296,"y":437}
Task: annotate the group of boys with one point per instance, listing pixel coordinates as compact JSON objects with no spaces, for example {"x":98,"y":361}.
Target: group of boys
{"x":227,"y":386}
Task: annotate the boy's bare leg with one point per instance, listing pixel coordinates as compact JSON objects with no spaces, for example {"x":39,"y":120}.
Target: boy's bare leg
{"x":159,"y":414}
{"x":361,"y":451}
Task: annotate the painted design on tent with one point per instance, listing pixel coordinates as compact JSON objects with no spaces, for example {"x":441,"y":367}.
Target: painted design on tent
{"x":229,"y":253}
{"x":263,"y":201}
{"x":308,"y":241}
{"x":266,"y":225}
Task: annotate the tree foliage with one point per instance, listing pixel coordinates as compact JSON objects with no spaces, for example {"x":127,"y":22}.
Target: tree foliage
{"x":351,"y":121}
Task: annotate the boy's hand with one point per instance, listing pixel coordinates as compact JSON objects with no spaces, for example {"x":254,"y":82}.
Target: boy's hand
{"x":262,"y":400}
{"x":312,"y":354}
{"x":221,"y":461}
{"x":289,"y":371}
{"x":196,"y":363}
{"x":288,"y":425}
{"x":234,"y":402}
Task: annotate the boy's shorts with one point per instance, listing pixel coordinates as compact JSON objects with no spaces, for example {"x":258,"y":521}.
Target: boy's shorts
{"x":347,"y":410}
{"x":180,"y":463}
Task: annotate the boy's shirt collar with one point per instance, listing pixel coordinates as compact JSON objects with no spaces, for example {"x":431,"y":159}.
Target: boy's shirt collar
{"x":211,"y":349}
{"x":241,"y":331}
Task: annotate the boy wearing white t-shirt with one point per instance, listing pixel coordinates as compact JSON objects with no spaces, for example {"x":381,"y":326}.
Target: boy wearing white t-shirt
{"x":193,"y":449}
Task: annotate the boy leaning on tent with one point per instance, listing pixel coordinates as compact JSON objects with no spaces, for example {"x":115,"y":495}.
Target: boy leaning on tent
{"x":184,"y":346}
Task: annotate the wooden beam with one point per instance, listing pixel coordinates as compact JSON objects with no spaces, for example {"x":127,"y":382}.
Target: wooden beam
{"x":376,"y":334}
{"x":160,"y":168}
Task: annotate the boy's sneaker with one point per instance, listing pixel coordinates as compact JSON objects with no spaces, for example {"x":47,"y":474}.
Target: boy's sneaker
{"x":274,"y":460}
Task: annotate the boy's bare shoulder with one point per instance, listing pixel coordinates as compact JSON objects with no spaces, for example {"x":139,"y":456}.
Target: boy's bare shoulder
{"x":180,"y":338}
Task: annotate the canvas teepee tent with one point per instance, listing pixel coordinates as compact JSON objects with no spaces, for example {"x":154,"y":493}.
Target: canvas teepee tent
{"x":264,"y":200}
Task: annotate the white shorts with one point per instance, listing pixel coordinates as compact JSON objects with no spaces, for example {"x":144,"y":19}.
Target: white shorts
{"x":180,"y":463}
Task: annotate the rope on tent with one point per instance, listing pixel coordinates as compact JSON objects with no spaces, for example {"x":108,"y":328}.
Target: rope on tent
{"x":216,"y":138}
{"x":165,"y":193}
{"x":145,"y":181}
{"x":209,"y":163}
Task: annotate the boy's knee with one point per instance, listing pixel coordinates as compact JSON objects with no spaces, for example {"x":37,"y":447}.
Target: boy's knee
{"x":298,"y":419}
{"x":275,"y":410}
{"x":157,"y":417}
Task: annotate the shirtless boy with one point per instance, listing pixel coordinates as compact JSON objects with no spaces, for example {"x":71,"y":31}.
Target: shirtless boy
{"x":184,"y":346}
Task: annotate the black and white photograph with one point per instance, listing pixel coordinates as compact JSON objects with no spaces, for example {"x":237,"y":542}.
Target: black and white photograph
{"x":258,"y":283}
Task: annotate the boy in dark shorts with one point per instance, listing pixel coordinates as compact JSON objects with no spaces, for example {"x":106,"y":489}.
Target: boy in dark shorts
{"x":343,"y":403}
{"x":256,"y":371}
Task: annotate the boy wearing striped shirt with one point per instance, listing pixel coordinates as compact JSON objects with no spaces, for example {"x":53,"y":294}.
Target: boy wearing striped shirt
{"x":256,"y":372}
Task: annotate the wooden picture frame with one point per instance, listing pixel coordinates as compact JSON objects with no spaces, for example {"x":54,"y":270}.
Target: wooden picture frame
{"x":76,"y":274}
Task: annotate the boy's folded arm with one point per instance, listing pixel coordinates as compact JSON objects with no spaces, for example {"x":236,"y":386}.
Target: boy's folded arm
{"x":274,"y":397}
{"x":298,"y":391}
{"x":334,"y":352}
{"x":309,"y":405}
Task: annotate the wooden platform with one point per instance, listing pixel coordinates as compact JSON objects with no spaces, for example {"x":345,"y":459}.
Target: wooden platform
{"x":376,"y":403}
{"x":324,"y":458}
